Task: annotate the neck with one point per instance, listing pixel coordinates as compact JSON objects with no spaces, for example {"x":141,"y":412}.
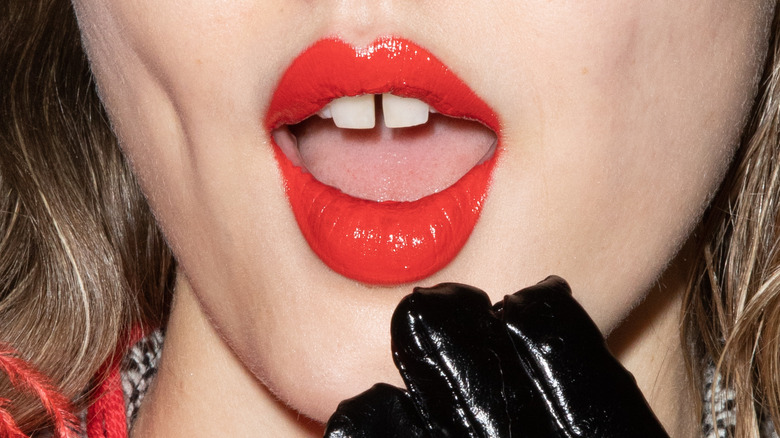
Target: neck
{"x":648,"y":344}
{"x":201,"y":388}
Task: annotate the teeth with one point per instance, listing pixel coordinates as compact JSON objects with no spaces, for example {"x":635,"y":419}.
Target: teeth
{"x":325,"y":113}
{"x":357,"y":112}
{"x":402,"y":112}
{"x":352,"y":112}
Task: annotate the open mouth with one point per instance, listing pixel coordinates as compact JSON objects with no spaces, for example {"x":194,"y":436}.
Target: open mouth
{"x":385,"y":147}
{"x":386,"y":157}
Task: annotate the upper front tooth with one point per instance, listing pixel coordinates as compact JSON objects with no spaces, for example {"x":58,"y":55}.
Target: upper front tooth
{"x":353,"y":112}
{"x":401,"y":112}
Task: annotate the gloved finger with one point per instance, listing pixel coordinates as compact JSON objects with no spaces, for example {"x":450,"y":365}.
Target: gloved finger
{"x":383,"y":411}
{"x":460,"y":366}
{"x":589,"y":393}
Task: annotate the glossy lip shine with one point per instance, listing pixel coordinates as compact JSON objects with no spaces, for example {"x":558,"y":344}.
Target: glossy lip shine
{"x":379,"y":242}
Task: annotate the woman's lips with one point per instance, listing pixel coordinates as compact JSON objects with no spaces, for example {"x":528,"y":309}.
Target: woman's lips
{"x":387,"y":242}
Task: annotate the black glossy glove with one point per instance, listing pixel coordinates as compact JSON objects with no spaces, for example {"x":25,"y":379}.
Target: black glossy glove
{"x":534,"y":365}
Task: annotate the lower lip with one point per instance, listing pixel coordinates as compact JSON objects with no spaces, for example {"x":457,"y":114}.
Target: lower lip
{"x":385,"y":242}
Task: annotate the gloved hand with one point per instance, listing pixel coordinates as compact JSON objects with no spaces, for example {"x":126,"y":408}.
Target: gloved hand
{"x":534,"y":365}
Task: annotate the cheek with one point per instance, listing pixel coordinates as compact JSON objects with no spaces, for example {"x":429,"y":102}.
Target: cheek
{"x":186,"y":94}
{"x":618,"y":128}
{"x":185,"y":86}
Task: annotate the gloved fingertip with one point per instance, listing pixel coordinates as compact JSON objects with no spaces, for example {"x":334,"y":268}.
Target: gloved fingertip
{"x":447,"y":291}
{"x":547,"y":313}
{"x":421,"y":315}
{"x":383,"y":411}
{"x":436,"y":303}
{"x":552,"y":282}
{"x":454,"y":356}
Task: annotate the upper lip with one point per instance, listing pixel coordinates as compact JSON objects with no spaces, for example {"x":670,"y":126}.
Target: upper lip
{"x":389,"y":65}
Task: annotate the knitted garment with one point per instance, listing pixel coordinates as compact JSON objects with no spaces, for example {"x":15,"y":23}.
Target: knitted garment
{"x":725,"y":413}
{"x":116,"y":401}
{"x":141,"y":362}
{"x":138,"y":370}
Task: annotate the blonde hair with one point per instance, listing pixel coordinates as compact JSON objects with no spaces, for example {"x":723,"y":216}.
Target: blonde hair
{"x":732,"y":305}
{"x":82,"y":260}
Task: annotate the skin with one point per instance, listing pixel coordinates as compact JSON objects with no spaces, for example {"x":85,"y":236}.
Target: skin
{"x":620,"y":119}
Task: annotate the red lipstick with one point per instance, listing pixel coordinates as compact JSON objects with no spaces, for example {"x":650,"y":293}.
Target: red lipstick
{"x":386,"y":242}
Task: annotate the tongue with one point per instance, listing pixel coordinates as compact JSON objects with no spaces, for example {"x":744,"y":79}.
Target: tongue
{"x":401,"y":164}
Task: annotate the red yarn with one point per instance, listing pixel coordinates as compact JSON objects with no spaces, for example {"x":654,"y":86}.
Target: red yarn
{"x":8,"y":426}
{"x":106,"y":416}
{"x":22,"y":375}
